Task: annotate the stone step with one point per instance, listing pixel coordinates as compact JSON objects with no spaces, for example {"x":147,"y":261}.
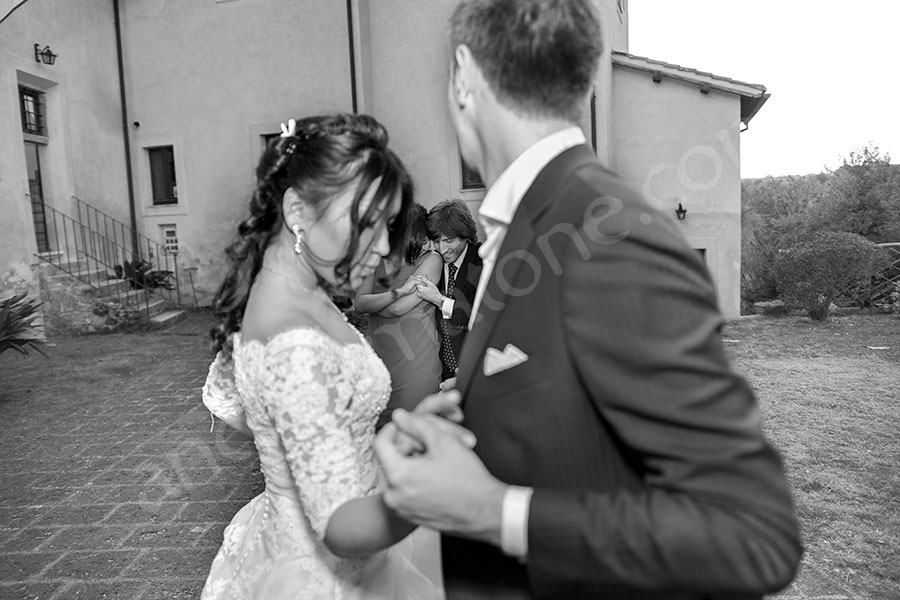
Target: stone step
{"x":65,"y":264}
{"x":169,"y":317}
{"x":114,"y":287}
{"x":132,"y":298}
{"x":94,"y":275}
{"x":157,"y":306}
{"x":52,"y":256}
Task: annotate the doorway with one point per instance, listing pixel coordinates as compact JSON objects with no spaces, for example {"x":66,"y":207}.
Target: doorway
{"x":36,"y":191}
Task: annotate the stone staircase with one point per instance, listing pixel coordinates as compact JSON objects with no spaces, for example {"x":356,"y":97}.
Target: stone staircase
{"x":82,"y":298}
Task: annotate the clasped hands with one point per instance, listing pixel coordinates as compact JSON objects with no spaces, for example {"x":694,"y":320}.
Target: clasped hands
{"x":423,"y":287}
{"x":433,"y":477}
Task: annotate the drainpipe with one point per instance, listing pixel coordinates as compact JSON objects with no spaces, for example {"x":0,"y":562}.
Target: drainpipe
{"x":126,"y":136}
{"x":352,"y":55}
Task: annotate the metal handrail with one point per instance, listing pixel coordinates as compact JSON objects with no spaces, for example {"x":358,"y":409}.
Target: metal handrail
{"x":101,"y":251}
{"x":124,"y":236}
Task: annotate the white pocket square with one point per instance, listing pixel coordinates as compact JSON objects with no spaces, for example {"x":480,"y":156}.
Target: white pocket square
{"x":496,"y":361}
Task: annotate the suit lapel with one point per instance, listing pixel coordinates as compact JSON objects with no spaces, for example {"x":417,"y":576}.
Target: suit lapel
{"x":542,"y":194}
{"x":460,"y":282}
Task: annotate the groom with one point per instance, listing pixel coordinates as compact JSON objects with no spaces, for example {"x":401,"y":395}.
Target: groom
{"x":618,"y":454}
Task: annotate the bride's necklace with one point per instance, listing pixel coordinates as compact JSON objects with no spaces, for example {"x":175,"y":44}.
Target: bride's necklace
{"x":305,"y":289}
{"x":290,"y":278}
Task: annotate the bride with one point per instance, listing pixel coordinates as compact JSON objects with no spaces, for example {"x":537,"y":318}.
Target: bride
{"x":331,"y":201}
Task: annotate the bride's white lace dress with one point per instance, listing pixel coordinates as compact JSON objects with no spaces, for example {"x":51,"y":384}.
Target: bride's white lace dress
{"x":311,"y":404}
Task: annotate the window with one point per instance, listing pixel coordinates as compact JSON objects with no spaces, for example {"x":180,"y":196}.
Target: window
{"x":268,"y":137}
{"x":31,"y":107}
{"x":470,"y":178}
{"x":162,"y":175}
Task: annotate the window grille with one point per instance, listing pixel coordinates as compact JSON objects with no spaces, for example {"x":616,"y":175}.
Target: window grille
{"x":162,"y":175}
{"x":31,"y":108}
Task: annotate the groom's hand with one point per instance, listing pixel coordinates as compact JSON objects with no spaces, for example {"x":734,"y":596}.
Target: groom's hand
{"x":444,"y":405}
{"x":447,"y":487}
{"x":427,"y":290}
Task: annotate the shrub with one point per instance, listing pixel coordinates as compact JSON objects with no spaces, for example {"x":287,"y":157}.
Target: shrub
{"x":813,"y":274}
{"x":17,"y":329}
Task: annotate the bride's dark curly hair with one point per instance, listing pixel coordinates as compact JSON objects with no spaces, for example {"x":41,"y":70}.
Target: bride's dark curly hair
{"x":324,"y":156}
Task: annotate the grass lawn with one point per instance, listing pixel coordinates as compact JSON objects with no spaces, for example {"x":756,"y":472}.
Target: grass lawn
{"x":829,"y":394}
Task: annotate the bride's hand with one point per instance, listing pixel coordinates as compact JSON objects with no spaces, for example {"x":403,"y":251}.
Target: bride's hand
{"x":448,"y":384}
{"x":445,"y":405}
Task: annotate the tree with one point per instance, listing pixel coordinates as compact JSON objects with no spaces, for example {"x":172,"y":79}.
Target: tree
{"x":777,"y":213}
{"x":866,"y":196}
{"x":862,"y":196}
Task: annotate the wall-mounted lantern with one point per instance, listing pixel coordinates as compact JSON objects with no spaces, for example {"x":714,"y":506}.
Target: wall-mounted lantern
{"x":680,"y":212}
{"x":46,"y":56}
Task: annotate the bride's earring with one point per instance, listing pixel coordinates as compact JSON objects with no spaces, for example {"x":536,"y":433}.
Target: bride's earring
{"x":298,"y":238}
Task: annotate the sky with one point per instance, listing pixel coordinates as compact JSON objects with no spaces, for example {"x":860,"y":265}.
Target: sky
{"x":832,"y":68}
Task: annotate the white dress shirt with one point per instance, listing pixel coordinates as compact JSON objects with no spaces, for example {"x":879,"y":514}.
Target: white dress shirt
{"x":496,"y":213}
{"x":448,"y":302}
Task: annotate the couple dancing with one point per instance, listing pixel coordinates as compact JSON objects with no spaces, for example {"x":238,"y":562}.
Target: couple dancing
{"x":615,"y":454}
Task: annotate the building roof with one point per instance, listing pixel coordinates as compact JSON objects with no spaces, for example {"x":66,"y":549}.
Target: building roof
{"x":753,"y":95}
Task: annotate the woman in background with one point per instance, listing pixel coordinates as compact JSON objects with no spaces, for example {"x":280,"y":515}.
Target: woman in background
{"x":401,"y":326}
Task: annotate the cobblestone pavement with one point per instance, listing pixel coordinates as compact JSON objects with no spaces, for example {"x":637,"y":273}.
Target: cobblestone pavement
{"x":112,"y":484}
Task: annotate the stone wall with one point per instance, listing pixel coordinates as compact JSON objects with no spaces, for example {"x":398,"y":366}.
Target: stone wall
{"x":70,"y":306}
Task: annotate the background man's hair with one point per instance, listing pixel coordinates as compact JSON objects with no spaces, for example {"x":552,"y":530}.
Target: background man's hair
{"x":452,"y":218}
{"x":539,"y":57}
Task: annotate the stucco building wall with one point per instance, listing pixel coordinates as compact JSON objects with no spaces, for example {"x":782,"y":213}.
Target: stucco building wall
{"x":235,"y":71}
{"x":84,"y":155}
{"x":408,"y":70}
{"x":676,"y":144}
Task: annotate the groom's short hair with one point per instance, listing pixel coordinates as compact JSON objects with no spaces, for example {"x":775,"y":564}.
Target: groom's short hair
{"x":539,"y":57}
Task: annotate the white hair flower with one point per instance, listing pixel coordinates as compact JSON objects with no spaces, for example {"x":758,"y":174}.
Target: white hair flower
{"x":289,"y":130}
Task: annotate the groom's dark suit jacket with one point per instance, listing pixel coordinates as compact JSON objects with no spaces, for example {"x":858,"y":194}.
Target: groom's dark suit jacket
{"x":463,"y":293}
{"x":651,"y":476}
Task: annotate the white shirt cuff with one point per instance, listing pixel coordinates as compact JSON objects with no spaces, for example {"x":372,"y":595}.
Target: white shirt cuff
{"x":514,"y":521}
{"x":447,"y":307}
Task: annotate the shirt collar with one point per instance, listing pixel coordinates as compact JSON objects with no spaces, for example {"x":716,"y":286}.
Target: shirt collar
{"x":503,"y":198}
{"x":462,"y":256}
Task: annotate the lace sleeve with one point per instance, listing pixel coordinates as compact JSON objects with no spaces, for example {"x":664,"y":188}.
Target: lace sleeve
{"x":220,"y":394}
{"x":308,"y":403}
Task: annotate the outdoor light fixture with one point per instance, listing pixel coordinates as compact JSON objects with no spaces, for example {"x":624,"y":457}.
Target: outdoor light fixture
{"x":45,"y":56}
{"x":680,"y":212}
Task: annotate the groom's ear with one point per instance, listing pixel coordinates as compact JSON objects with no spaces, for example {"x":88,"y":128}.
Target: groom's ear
{"x":462,"y":75}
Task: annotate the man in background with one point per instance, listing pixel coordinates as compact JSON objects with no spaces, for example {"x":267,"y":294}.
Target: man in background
{"x":451,"y":228}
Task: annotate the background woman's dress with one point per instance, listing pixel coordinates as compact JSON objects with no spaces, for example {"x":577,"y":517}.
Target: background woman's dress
{"x":311,"y":404}
{"x":407,"y":344}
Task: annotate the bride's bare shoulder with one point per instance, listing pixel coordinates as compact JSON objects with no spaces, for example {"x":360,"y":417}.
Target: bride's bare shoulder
{"x":268,"y":315}
{"x":320,"y":316}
